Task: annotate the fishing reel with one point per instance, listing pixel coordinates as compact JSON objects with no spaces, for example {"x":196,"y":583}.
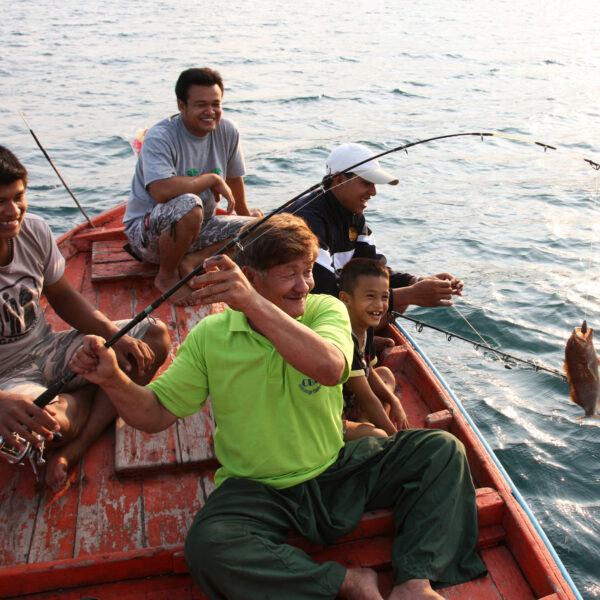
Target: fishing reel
{"x":21,"y":450}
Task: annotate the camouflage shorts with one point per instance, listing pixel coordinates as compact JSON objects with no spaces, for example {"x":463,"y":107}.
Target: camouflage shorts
{"x":143,"y":233}
{"x":48,"y":361}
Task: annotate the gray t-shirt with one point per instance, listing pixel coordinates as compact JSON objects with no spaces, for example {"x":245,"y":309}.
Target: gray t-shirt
{"x":36,"y":261}
{"x":169,"y":149}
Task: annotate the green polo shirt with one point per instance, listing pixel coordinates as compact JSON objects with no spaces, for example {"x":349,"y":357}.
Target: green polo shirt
{"x":273,"y":423}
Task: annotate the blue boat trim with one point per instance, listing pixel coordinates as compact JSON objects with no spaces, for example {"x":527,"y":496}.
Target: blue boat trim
{"x":506,"y":476}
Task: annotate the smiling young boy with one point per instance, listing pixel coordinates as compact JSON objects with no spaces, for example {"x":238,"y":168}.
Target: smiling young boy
{"x":371,"y":407}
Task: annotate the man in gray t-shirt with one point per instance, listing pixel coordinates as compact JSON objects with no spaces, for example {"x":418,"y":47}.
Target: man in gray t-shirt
{"x":187,"y":162}
{"x":33,"y":356}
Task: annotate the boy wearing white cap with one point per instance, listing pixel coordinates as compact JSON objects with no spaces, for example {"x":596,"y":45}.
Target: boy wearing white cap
{"x":336,"y":217}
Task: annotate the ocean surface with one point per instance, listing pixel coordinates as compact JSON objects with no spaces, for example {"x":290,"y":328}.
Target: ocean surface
{"x":517,"y":222}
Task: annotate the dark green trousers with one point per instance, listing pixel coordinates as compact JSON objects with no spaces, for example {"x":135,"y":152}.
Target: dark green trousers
{"x":235,"y":548}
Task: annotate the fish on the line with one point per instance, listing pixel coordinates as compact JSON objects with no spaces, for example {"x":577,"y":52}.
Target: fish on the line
{"x":581,"y":367}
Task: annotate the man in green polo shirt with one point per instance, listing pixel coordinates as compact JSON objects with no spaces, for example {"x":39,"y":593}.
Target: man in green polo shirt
{"x":273,"y":363}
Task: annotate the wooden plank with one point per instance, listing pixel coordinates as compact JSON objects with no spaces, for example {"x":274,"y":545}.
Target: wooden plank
{"x":482,"y":588}
{"x":75,"y":275}
{"x":196,"y":431}
{"x":136,"y":451}
{"x":506,"y":574}
{"x":45,"y":577}
{"x":108,"y":232}
{"x":196,"y":437}
{"x":122,"y":270}
{"x":18,"y":509}
{"x":56,"y":523}
{"x":442,"y":419}
{"x":165,"y":587}
{"x":170,"y":504}
{"x":111,"y":262}
{"x":110,"y":509}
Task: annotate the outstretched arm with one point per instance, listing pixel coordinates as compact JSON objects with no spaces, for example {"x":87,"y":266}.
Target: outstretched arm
{"x":436,"y":290}
{"x":74,"y":309}
{"x":138,"y":405}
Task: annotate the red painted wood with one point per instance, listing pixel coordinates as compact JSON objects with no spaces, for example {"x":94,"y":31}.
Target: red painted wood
{"x":102,"y":233}
{"x":505,"y":574}
{"x":166,"y":587}
{"x":478,"y":589}
{"x":42,"y":577}
{"x":110,"y":508}
{"x":442,"y":419}
{"x":18,"y":509}
{"x":55,"y":526}
{"x":126,"y":534}
{"x":135,"y":450}
{"x":170,"y":504}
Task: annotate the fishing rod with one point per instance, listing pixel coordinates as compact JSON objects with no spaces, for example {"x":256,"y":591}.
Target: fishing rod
{"x":43,"y":399}
{"x":405,"y":147}
{"x":37,"y":141}
{"x":507,"y":358}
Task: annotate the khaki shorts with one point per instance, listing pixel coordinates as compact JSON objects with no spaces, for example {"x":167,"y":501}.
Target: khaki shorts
{"x":49,"y":361}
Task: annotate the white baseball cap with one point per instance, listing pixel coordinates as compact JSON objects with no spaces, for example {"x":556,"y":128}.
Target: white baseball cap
{"x":347,"y":155}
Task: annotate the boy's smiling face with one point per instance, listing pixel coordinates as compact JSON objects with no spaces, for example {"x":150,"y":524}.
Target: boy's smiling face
{"x":369,"y":301}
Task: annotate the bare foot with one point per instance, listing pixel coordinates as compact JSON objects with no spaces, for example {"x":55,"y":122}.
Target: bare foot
{"x":414,"y":589}
{"x":360,"y":584}
{"x":57,"y":470}
{"x":182,"y":297}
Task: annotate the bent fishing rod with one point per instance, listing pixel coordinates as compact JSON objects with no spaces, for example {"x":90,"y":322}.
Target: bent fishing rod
{"x":47,"y":396}
{"x":507,"y":358}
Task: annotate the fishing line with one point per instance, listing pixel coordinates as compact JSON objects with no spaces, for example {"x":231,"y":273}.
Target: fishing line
{"x":469,"y":324}
{"x":505,"y":356}
{"x":589,"y":267}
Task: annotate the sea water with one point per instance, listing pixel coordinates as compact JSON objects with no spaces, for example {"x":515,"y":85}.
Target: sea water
{"x":517,"y":222}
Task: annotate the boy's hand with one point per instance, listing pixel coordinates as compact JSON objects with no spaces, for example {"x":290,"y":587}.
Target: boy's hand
{"x":398,"y":416}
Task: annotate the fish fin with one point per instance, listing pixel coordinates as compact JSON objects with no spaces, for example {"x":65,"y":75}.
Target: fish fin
{"x":593,"y":373}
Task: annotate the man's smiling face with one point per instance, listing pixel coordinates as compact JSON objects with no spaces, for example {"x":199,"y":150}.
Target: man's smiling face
{"x":202,"y":110}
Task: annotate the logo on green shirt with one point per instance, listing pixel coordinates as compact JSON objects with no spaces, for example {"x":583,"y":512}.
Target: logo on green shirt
{"x":309,"y":386}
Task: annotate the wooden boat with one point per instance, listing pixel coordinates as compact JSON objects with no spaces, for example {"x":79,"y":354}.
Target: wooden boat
{"x":117,"y":531}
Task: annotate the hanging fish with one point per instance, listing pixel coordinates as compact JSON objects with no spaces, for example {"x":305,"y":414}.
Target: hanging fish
{"x":581,"y":367}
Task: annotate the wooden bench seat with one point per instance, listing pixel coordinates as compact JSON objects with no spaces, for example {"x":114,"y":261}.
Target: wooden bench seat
{"x":110,"y":262}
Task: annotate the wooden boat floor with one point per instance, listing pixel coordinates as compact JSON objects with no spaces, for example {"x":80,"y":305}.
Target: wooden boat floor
{"x":117,"y":530}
